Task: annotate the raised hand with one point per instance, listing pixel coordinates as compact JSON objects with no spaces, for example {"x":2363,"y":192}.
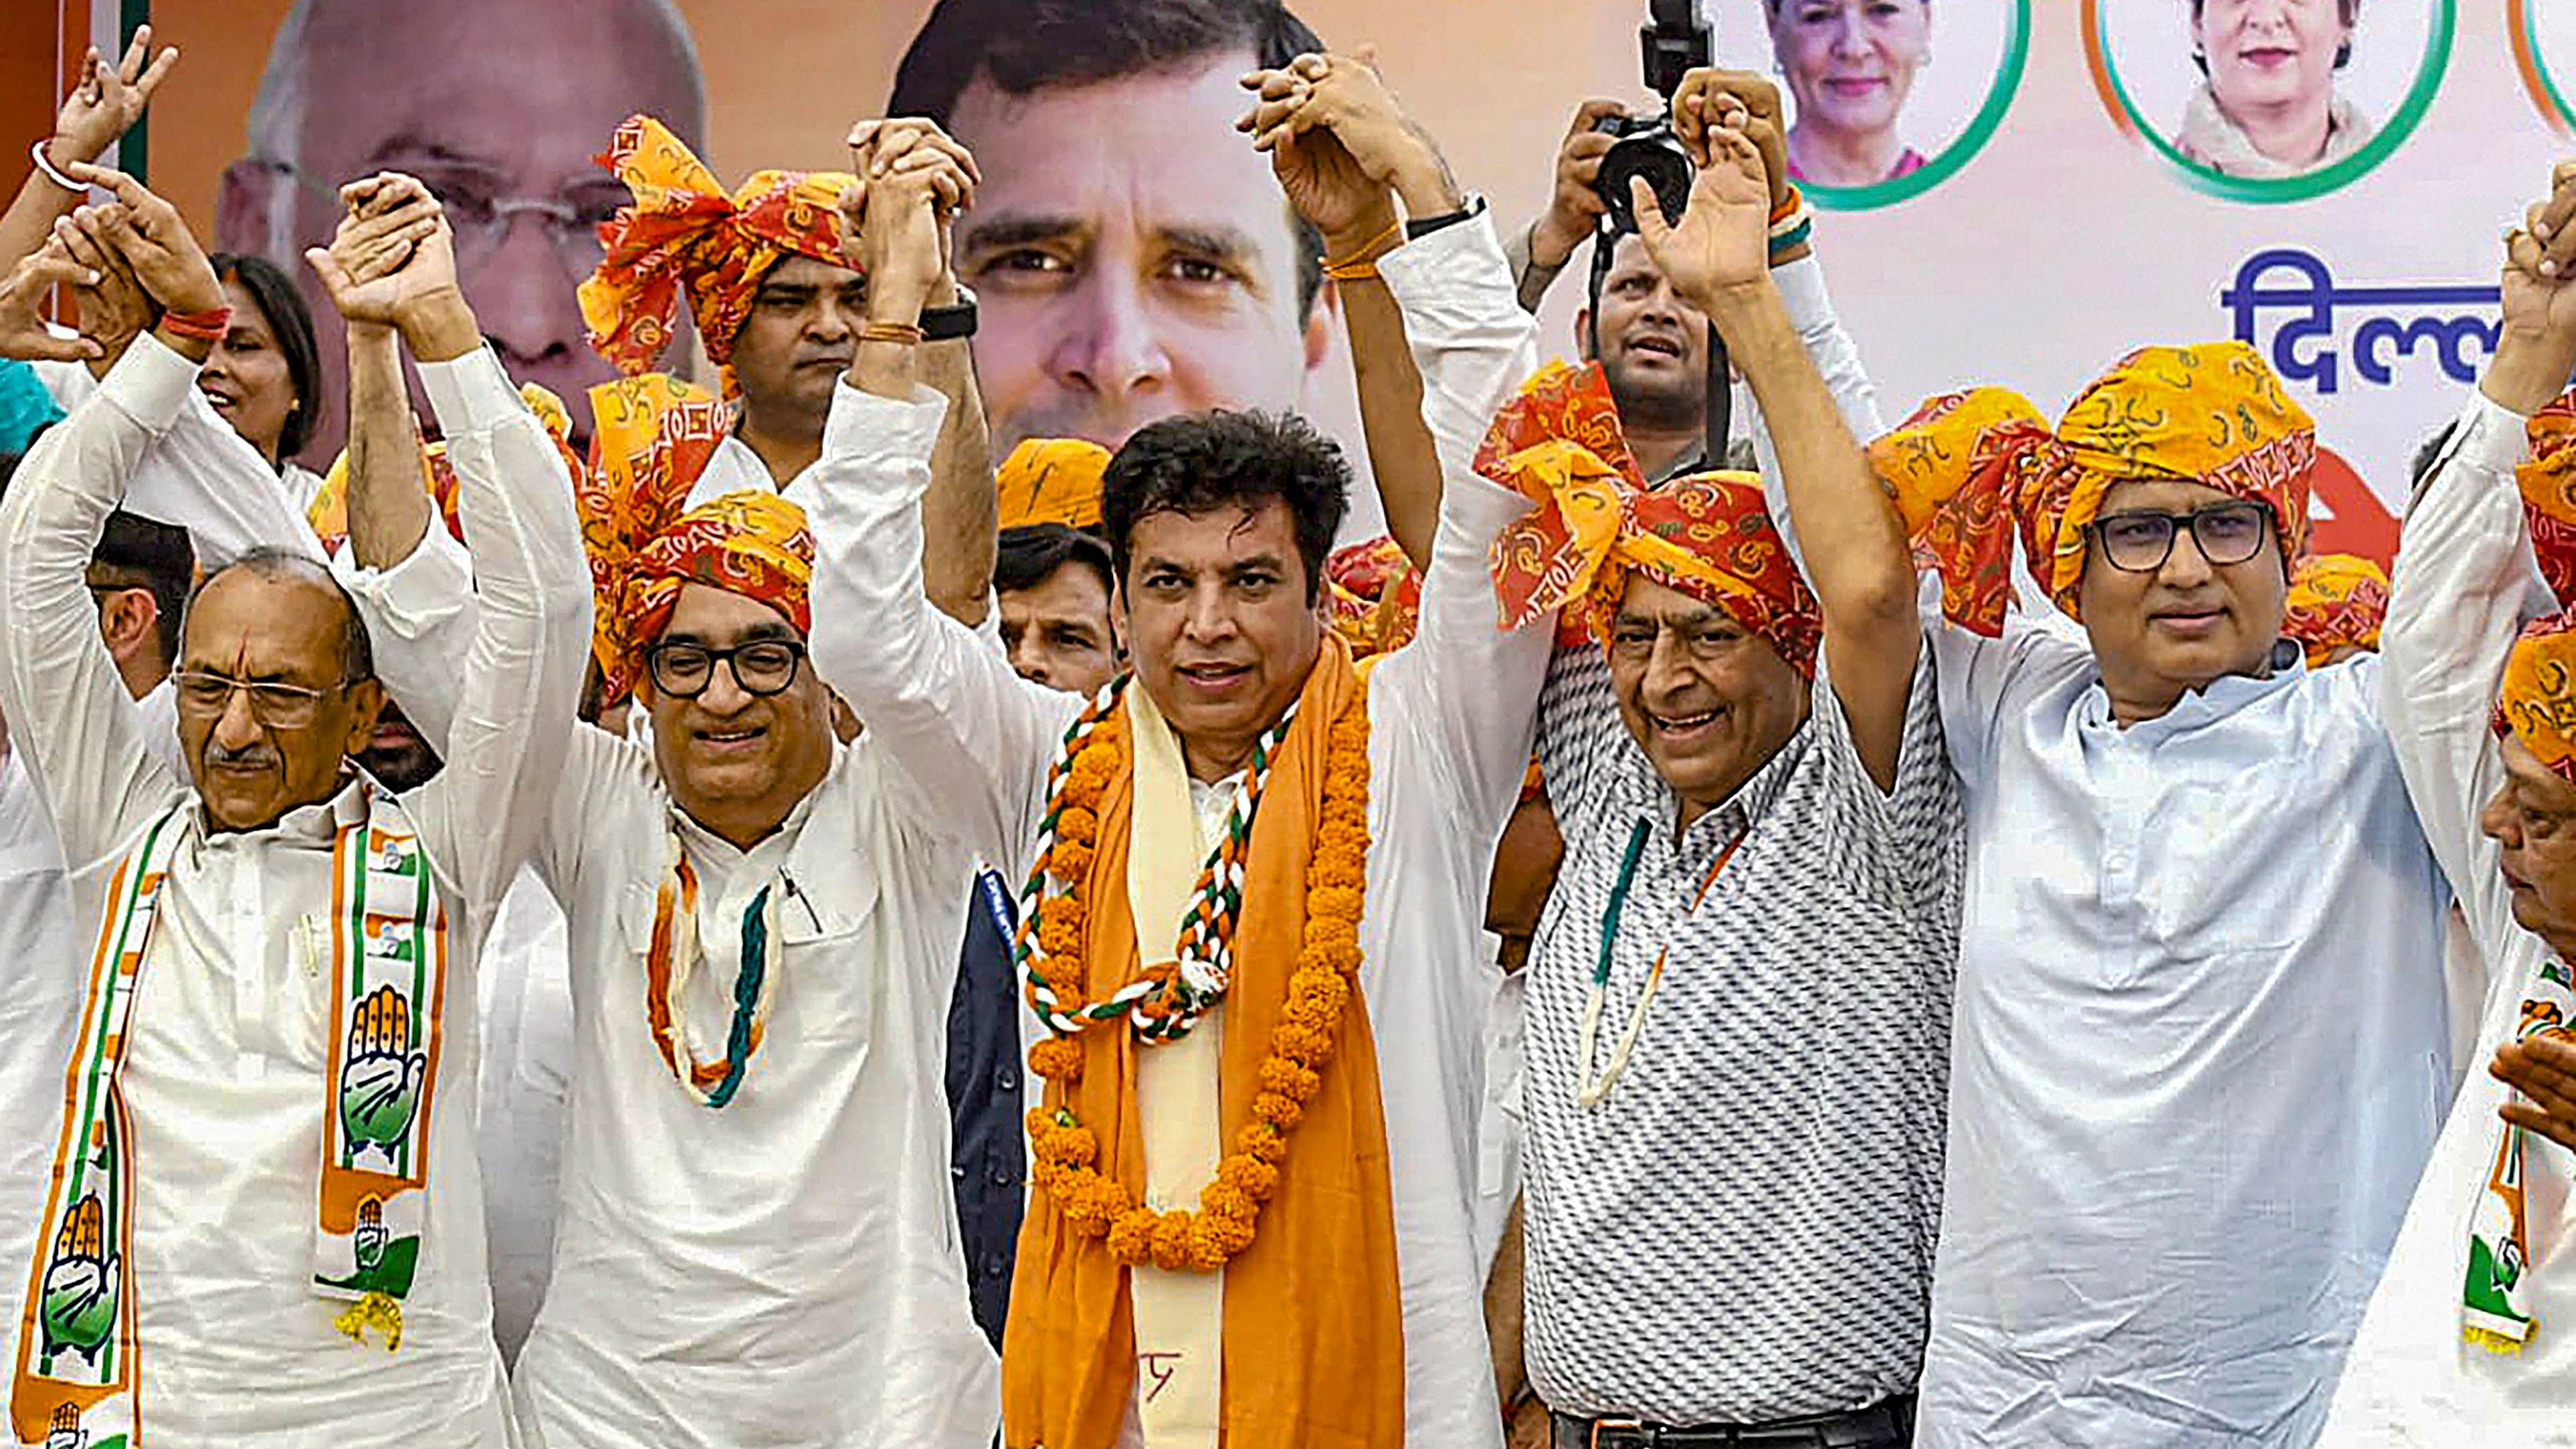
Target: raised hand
{"x":23,"y":333}
{"x":381,"y":1080}
{"x":1324,"y":181}
{"x":108,"y":99}
{"x":2540,"y":263}
{"x":392,"y":254}
{"x":1345,"y":97}
{"x":1709,"y":97}
{"x":1723,"y":242}
{"x":914,"y":179}
{"x":147,"y":231}
{"x":2536,"y":347}
{"x":113,"y":309}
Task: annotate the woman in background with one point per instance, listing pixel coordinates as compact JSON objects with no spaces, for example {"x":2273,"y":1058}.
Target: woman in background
{"x":2268,"y":106}
{"x":1850,"y":64}
{"x":264,"y":375}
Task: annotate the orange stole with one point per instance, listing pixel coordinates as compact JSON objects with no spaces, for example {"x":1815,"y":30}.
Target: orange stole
{"x":1314,"y":1314}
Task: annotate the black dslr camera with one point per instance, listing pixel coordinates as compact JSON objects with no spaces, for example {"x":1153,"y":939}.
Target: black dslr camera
{"x":1675,"y":41}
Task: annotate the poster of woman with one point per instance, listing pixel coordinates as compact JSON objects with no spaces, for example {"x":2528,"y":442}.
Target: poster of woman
{"x":2266,"y":100}
{"x":1873,"y":118}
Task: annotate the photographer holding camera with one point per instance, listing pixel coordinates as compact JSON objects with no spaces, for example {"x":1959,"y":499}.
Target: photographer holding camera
{"x":1653,"y":345}
{"x":1745,"y":755}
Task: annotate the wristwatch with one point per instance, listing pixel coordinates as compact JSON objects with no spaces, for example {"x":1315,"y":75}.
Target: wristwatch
{"x":948,"y":324}
{"x":1420,"y":227}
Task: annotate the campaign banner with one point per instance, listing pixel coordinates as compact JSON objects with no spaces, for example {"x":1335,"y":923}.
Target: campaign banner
{"x":2010,"y":191}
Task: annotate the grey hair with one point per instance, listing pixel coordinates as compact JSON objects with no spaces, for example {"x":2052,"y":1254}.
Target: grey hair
{"x":268,"y":561}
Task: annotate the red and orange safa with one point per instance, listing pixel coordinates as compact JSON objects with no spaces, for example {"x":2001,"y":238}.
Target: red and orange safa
{"x":1709,"y":535}
{"x":687,"y":236}
{"x":752,"y":544}
{"x":2537,"y":702}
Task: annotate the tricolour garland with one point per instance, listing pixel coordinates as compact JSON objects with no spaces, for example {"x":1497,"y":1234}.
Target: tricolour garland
{"x":1161,"y":1004}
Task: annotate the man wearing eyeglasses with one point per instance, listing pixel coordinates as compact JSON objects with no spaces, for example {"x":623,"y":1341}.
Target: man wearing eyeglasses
{"x":756,"y":1241}
{"x":506,"y":146}
{"x":2201,"y":1042}
{"x":261,"y":1177}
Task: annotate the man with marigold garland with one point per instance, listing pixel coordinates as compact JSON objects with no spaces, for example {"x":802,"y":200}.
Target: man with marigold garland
{"x":1252,"y":864}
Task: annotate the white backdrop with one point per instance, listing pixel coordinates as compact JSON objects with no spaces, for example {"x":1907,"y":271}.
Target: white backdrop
{"x":2066,"y":242}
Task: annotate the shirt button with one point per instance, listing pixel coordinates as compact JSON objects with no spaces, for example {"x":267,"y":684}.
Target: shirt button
{"x":1007,"y":1079}
{"x":957,"y":1171}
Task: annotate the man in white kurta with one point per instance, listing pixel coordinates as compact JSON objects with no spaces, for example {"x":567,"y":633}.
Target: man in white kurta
{"x":2464,"y":584}
{"x":2200,"y":1045}
{"x":223,"y":1077}
{"x":1450,"y":727}
{"x":777,"y":1265}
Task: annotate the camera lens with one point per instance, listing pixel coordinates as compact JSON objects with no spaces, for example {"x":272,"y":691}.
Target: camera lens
{"x":1656,"y":154}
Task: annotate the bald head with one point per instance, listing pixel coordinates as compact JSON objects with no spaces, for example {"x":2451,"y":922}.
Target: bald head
{"x":490,"y":101}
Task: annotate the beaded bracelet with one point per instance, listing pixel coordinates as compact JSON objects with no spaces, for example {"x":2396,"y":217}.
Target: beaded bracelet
{"x":207,"y":326}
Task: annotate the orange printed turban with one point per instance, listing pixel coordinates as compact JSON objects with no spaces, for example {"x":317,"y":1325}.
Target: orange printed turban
{"x":1052,"y":480}
{"x":652,"y":439}
{"x":1708,"y":536}
{"x":753,"y":544}
{"x":1373,"y":596}
{"x":686,"y":235}
{"x":2538,"y":701}
{"x":2548,"y":483}
{"x":2337,"y":601}
{"x":1972,"y":469}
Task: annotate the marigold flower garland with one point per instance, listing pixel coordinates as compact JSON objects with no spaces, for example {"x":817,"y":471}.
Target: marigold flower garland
{"x":1064,"y":1155}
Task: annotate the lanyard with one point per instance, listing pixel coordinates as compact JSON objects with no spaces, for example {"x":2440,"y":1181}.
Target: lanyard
{"x":1593,"y":1091}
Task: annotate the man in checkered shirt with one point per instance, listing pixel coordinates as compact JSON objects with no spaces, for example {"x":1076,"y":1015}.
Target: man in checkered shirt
{"x":1739,"y":999}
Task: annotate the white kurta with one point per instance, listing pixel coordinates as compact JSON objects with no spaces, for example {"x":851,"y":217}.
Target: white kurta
{"x":2199,"y":1055}
{"x":1451,"y":722}
{"x":527,"y":1074}
{"x":783,"y":1271}
{"x":2464,"y":584}
{"x":223,"y":1076}
{"x":198,"y":474}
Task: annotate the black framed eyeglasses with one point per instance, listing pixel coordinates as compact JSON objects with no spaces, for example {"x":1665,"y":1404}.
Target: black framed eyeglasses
{"x":762,"y":667}
{"x":2225,"y":533}
{"x":204,"y":694}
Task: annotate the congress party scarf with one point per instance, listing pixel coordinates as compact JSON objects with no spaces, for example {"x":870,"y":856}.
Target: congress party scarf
{"x":79,"y":1357}
{"x":2495,"y":1306}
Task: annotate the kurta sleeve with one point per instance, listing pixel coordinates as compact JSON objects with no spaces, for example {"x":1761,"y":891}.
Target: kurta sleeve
{"x":67,"y":707}
{"x":959,"y":725}
{"x":1464,"y":691}
{"x":520,"y":689}
{"x":2463,"y":587}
